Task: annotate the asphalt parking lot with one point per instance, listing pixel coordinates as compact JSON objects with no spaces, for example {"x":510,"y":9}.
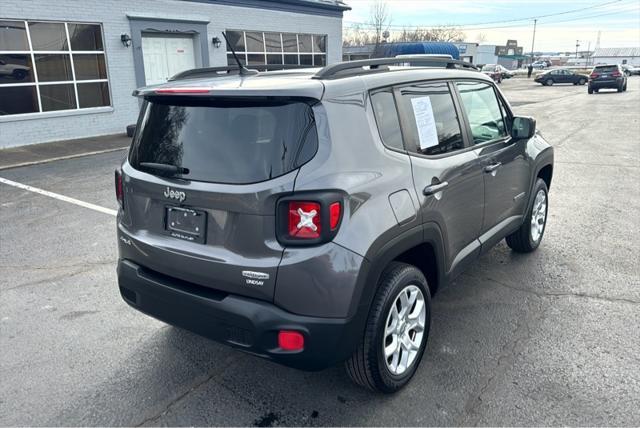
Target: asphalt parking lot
{"x":550,"y":338}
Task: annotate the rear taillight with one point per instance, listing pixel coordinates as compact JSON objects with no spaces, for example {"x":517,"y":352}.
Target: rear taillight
{"x":335,"y":212}
{"x":616,"y":74}
{"x":594,"y":75}
{"x":312,"y":218}
{"x":119,"y":188}
{"x":304,"y":220}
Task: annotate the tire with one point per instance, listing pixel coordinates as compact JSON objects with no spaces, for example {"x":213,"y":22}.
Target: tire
{"x":624,"y":88}
{"x":590,"y":90}
{"x":619,"y":88}
{"x":19,"y":74}
{"x":527,"y":239}
{"x":581,"y":82}
{"x":549,"y":82}
{"x":368,"y":366}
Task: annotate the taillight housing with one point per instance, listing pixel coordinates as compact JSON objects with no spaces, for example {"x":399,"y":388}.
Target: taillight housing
{"x":594,"y":75}
{"x":616,"y":74}
{"x":309,"y":218}
{"x":119,"y":188}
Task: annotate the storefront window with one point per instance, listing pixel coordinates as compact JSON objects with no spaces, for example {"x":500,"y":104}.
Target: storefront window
{"x":51,"y":66}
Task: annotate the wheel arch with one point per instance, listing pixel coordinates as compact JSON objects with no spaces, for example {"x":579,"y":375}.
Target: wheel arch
{"x":421,"y":246}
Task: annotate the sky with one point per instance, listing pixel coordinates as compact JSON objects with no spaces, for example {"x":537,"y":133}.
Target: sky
{"x":560,"y":23}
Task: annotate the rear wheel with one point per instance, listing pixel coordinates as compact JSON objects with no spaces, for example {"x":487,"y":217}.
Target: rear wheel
{"x":620,"y":88}
{"x":590,"y":90}
{"x":528,"y":237}
{"x":624,"y":88}
{"x":582,"y":81}
{"x":396,"y":333}
{"x":549,"y":82}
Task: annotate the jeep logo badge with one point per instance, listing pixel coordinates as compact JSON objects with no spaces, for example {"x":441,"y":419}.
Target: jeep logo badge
{"x":175,"y":194}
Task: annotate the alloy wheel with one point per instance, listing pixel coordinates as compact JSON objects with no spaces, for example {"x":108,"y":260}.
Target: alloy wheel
{"x":404,"y":330}
{"x":538,"y":215}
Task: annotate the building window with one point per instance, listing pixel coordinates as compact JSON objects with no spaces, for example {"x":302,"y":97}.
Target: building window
{"x":51,"y":66}
{"x":256,"y":48}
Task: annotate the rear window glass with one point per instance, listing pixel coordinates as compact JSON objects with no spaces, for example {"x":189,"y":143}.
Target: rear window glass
{"x":607,"y":68}
{"x":225,"y":141}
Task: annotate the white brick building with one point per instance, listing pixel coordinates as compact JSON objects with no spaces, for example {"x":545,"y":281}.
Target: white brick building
{"x":68,"y":67}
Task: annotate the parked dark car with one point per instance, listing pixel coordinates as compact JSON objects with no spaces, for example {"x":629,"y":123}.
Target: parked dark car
{"x":607,"y":76}
{"x":308,"y":216}
{"x":493,"y":71}
{"x":561,"y":75}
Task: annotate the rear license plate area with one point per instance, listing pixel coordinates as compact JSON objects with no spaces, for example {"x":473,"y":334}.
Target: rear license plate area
{"x":186,"y":223}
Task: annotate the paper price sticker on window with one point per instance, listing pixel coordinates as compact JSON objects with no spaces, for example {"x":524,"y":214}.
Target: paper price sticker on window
{"x":425,"y":122}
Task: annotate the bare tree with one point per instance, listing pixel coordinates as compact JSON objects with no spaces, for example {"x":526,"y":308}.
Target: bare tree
{"x":379,"y":18}
{"x":436,"y":34}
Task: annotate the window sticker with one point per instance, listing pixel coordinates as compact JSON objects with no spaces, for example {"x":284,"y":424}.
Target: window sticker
{"x":425,"y":122}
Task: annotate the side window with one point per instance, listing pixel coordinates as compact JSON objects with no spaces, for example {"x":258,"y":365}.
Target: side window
{"x":384,"y":109}
{"x":432,"y":120}
{"x":483,"y":111}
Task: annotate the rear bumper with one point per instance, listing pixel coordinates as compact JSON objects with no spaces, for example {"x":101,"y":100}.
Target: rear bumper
{"x":612,"y":83}
{"x":244,"y":323}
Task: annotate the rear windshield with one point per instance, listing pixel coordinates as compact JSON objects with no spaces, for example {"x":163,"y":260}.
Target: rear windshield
{"x":607,"y":68}
{"x":225,"y":141}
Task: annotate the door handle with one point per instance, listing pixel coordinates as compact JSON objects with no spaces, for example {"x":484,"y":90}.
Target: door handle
{"x":492,"y":167}
{"x":434,"y":188}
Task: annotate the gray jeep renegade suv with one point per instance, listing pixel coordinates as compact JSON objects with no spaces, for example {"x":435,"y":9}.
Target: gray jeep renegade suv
{"x":307,"y":216}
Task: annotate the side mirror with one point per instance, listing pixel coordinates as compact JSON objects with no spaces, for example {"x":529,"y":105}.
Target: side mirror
{"x":523,"y":127}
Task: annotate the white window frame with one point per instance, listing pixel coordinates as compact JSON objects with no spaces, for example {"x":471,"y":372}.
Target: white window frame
{"x":70,"y":53}
{"x":245,"y":54}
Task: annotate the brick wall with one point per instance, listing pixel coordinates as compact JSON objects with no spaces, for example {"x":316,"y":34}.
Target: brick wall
{"x":112,"y":15}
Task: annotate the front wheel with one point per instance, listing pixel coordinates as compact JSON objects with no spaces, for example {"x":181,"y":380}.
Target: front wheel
{"x":528,"y":237}
{"x":396,"y":332}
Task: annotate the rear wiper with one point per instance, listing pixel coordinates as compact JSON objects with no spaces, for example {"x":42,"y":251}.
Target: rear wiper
{"x":164,"y":168}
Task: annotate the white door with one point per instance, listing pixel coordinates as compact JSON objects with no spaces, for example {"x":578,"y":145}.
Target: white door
{"x":164,"y":56}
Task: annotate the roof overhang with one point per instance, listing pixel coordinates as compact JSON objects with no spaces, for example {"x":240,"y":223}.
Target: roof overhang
{"x":332,"y":8}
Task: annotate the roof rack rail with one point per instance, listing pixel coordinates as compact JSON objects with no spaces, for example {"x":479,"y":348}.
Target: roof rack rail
{"x":338,"y":69}
{"x":229,"y":70}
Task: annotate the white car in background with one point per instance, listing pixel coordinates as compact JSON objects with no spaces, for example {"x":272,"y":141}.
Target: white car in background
{"x":16,"y":71}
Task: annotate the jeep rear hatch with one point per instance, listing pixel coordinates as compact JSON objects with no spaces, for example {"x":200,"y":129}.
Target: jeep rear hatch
{"x":201,"y":185}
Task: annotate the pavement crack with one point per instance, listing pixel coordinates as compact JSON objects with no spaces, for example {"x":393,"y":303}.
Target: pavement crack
{"x":175,"y":401}
{"x":543,"y":294}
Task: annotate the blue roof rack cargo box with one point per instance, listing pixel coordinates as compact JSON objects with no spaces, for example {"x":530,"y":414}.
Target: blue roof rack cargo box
{"x":412,"y":48}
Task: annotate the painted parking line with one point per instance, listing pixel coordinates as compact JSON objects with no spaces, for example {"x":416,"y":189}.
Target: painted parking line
{"x":59,"y":197}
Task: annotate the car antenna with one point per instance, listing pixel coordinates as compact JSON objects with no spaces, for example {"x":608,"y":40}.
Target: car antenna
{"x":242,"y":70}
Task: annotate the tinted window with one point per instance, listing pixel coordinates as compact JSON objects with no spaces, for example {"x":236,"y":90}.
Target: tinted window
{"x":483,"y":111}
{"x":606,"y":68}
{"x":53,"y":67}
{"x":18,"y":99}
{"x":384,"y":108}
{"x":432,"y":119}
{"x":15,"y":68}
{"x":272,"y":40}
{"x":255,"y":43}
{"x":48,"y":36}
{"x":85,"y":37}
{"x":89,"y":66}
{"x":57,"y":97}
{"x":226,"y":141}
{"x":95,"y":94}
{"x":13,"y":36}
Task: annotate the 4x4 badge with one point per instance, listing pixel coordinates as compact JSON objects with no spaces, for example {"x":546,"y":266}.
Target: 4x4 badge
{"x":175,"y":194}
